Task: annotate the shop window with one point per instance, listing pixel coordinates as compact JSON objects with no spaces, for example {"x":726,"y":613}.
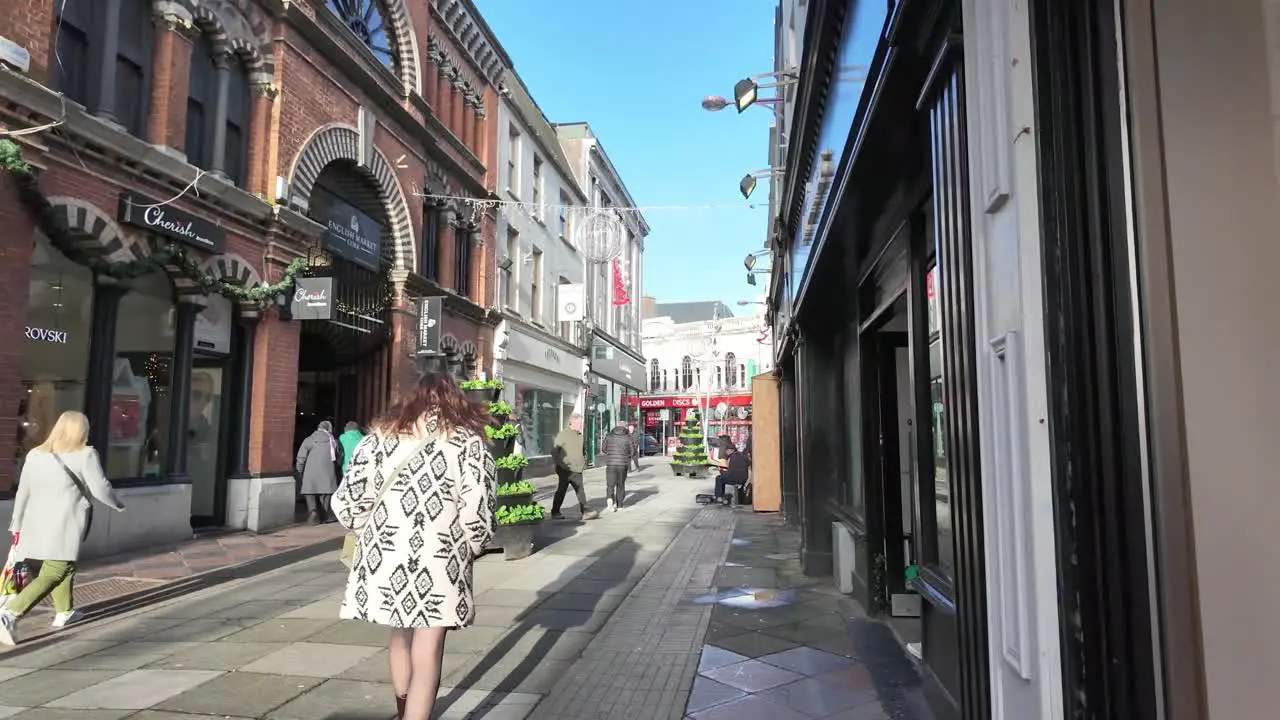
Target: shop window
{"x":686,"y":372}
{"x":539,"y":417}
{"x":138,"y":430}
{"x":945,"y":550}
{"x":83,"y":30}
{"x":653,"y":374}
{"x":429,"y":257}
{"x":55,"y":354}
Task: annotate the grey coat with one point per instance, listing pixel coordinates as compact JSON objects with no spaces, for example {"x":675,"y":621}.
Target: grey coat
{"x":319,"y":473}
{"x":49,"y":510}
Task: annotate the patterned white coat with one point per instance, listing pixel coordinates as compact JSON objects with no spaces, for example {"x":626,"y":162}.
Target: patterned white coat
{"x":414,"y":551}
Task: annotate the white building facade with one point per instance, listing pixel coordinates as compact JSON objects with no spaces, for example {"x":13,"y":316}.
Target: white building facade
{"x":540,"y":359}
{"x":614,"y":286}
{"x":707,"y":365}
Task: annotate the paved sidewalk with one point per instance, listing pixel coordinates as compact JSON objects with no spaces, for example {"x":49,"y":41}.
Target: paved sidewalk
{"x":272,"y":647}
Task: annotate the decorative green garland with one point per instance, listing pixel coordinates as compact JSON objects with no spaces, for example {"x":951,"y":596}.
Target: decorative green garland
{"x":171,"y":255}
{"x":11,"y":161}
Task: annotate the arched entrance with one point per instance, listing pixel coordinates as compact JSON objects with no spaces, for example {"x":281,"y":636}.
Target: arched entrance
{"x":344,"y":363}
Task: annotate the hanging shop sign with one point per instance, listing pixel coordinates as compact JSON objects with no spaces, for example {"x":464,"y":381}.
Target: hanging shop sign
{"x":687,"y":401}
{"x":350,"y":234}
{"x":429,"y":325}
{"x":312,"y":299}
{"x":143,"y":212}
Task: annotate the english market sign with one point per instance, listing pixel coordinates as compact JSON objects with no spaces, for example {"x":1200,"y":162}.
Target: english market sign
{"x":143,"y":212}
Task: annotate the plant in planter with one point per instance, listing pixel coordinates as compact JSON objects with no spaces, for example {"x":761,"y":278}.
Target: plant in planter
{"x":485,"y":391}
{"x":508,"y":466}
{"x":516,"y":526}
{"x":519,"y":492}
{"x":500,"y":410}
{"x":503,"y":439}
{"x":691,"y":457}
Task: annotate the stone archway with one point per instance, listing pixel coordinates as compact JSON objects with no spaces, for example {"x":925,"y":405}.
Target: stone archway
{"x":236,"y":26}
{"x":342,"y":142}
{"x":233,"y":268}
{"x":85,"y":230}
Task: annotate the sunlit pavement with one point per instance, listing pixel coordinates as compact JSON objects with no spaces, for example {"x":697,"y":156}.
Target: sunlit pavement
{"x":612,"y":618}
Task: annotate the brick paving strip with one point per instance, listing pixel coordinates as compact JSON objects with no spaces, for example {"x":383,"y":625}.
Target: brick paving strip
{"x":642,"y":664}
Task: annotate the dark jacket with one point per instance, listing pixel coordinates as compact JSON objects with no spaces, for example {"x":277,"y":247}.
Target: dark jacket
{"x":568,"y":451}
{"x":619,"y":447}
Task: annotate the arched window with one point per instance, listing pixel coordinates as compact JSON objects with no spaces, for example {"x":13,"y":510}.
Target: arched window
{"x":364,"y":19}
{"x":664,"y":379}
{"x":730,"y":370}
{"x":205,"y":147}
{"x":697,"y":377}
{"x":719,"y":377}
{"x":686,"y":372}
{"x":653,"y":374}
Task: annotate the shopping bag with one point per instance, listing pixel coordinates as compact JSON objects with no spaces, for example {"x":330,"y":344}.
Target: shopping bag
{"x":15,"y":575}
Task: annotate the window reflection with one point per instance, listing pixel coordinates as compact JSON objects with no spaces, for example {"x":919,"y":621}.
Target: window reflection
{"x":55,"y":357}
{"x":140,"y":376}
{"x":937,"y":422}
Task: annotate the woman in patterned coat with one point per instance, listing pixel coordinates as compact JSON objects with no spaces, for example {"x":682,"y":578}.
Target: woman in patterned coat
{"x":418,"y":536}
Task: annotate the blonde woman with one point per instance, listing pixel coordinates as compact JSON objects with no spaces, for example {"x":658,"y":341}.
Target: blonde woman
{"x":419,"y":496}
{"x":51,"y":516}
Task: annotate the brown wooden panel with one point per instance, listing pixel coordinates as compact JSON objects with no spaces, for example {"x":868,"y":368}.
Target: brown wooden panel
{"x":766,"y":458}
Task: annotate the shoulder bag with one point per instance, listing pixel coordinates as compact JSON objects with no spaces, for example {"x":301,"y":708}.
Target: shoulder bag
{"x":348,"y":555}
{"x":84,"y":492}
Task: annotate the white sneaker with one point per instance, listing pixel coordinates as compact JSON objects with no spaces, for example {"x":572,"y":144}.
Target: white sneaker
{"x":8,"y":634}
{"x":62,"y":620}
{"x":609,"y":505}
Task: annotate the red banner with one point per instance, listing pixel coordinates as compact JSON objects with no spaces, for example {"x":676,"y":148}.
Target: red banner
{"x":654,"y":403}
{"x":620,"y":296}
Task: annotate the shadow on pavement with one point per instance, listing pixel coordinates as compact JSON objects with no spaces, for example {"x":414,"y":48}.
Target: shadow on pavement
{"x":609,"y":575}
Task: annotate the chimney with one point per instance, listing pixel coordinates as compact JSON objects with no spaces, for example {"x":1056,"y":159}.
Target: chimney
{"x":648,"y":307}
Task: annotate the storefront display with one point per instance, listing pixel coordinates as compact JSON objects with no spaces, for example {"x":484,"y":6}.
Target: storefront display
{"x":139,"y":420}
{"x":56,"y":345}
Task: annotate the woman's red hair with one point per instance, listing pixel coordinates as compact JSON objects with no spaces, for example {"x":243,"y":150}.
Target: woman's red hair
{"x":438,"y":395}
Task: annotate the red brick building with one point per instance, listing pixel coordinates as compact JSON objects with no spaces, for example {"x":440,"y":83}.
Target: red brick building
{"x":165,"y":199}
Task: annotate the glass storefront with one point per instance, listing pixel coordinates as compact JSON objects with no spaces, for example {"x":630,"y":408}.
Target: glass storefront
{"x":140,"y":377}
{"x":55,"y":367}
{"x":540,"y":414}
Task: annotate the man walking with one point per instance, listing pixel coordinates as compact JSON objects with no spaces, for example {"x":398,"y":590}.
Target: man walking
{"x":619,"y":452}
{"x":571,"y":460}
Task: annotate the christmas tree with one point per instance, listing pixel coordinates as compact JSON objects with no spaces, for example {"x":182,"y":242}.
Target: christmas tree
{"x":691,"y":456}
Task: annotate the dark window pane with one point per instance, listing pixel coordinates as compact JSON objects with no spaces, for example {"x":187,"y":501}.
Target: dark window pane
{"x":430,"y":242}
{"x":462,"y":276}
{"x":131,"y":95}
{"x":234,"y":165}
{"x":72,"y":64}
{"x":195,"y":136}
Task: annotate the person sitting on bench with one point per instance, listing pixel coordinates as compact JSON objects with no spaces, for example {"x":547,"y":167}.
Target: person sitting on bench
{"x":735,"y":470}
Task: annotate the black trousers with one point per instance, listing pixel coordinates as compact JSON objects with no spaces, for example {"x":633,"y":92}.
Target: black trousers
{"x":723,"y":479}
{"x":567,"y":478}
{"x":615,"y":478}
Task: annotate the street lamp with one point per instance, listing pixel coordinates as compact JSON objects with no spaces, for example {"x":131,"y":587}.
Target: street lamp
{"x":749,"y":181}
{"x":750,"y":261}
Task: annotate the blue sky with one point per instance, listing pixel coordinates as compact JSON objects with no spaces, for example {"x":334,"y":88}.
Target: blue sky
{"x":636,"y":70}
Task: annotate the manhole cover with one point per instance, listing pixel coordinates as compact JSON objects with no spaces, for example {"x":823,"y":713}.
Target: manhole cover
{"x":102,"y":590}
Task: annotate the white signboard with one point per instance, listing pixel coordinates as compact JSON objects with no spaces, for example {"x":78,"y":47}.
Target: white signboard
{"x":570,"y":302}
